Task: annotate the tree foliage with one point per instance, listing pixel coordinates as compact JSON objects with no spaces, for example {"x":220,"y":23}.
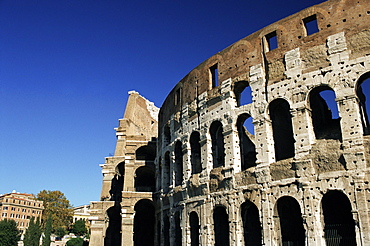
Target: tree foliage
{"x":79,"y":228}
{"x":47,"y":232}
{"x":60,"y":232}
{"x":76,"y":242}
{"x":58,"y":206}
{"x":9,"y":233}
{"x":33,"y":233}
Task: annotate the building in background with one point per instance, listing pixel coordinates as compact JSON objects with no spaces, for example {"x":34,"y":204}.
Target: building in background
{"x":81,"y":213}
{"x":20,"y":207}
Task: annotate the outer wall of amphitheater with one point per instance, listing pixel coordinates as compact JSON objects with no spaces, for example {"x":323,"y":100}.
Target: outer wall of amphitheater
{"x":298,"y":176}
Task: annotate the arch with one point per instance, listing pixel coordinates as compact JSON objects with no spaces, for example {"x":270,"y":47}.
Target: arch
{"x":194,"y":228}
{"x":178,"y":163}
{"x":324,"y":113}
{"x":339,"y":224}
{"x":178,"y":231}
{"x":282,"y":129}
{"x":167,"y":134}
{"x":145,"y":179}
{"x":251,"y":224}
{"x":196,"y":165}
{"x":243,"y":93}
{"x":166,"y":230}
{"x":113,"y":231}
{"x":218,"y":145}
{"x":144,"y":222}
{"x":166,"y":172}
{"x":288,"y":219}
{"x":363,"y":94}
{"x":247,"y":147}
{"x":221,"y":226}
{"x":146,"y":153}
{"x":117,"y":183}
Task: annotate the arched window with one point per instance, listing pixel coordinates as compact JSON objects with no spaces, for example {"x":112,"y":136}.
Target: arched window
{"x":145,"y":179}
{"x":178,"y":232}
{"x":144,"y":221}
{"x":339,"y":224}
{"x":146,"y":153}
{"x":166,"y":172}
{"x":325,"y":117}
{"x":117,"y":183}
{"x":113,"y":232}
{"x":196,"y":166}
{"x":194,"y":229}
{"x":178,"y":163}
{"x":243,"y":93}
{"x":282,"y":129}
{"x":363,"y":94}
{"x":221,"y":226}
{"x":247,"y":147}
{"x":167,"y":134}
{"x":218,"y":145}
{"x":290,"y":222}
{"x":251,"y":224}
{"x":166,"y":230}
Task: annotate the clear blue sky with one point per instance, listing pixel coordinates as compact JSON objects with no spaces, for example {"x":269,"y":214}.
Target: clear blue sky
{"x":66,"y":67}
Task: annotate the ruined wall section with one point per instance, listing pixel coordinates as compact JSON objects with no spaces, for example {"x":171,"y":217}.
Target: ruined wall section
{"x":112,"y":217}
{"x":334,"y":57}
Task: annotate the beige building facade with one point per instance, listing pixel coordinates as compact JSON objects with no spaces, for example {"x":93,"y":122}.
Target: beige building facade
{"x":250,"y":149}
{"x":20,"y":207}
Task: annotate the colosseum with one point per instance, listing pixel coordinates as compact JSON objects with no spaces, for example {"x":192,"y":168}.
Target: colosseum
{"x":265,"y":143}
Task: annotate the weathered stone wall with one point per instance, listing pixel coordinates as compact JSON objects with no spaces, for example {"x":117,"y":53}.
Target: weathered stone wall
{"x":301,"y":177}
{"x":304,"y":171}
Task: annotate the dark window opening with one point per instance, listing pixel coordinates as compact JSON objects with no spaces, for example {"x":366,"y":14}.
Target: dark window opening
{"x":144,"y":179}
{"x":247,"y":146}
{"x":159,"y":174}
{"x":113,"y":232}
{"x":117,"y":183}
{"x":363,"y":93}
{"x":178,"y":96}
{"x":325,"y":116}
{"x":166,"y":174}
{"x":178,"y":231}
{"x":251,"y":224}
{"x":214,"y":75}
{"x":167,"y":134}
{"x":290,"y":222}
{"x":221,"y":227}
{"x":310,"y":24}
{"x":144,"y":221}
{"x":272,"y":42}
{"x":339,"y":224}
{"x":282,"y":128}
{"x":243,"y":93}
{"x":166,"y":230}
{"x":194,"y":229}
{"x":218,"y":145}
{"x":146,"y":153}
{"x":196,"y":165}
{"x":178,"y":163}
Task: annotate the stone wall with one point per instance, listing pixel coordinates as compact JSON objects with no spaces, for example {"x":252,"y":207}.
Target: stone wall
{"x":298,"y":176}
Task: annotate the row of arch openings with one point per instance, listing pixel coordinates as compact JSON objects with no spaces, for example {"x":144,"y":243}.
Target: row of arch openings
{"x":339,"y":229}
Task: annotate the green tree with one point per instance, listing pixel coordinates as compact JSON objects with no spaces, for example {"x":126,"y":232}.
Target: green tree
{"x":60,"y":232}
{"x":33,"y":233}
{"x":9,"y":233}
{"x":58,"y":206}
{"x":79,"y":228}
{"x":75,"y":242}
{"x":47,"y":232}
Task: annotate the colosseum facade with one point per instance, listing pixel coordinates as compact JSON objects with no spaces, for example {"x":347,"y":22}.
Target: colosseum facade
{"x":265,"y":143}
